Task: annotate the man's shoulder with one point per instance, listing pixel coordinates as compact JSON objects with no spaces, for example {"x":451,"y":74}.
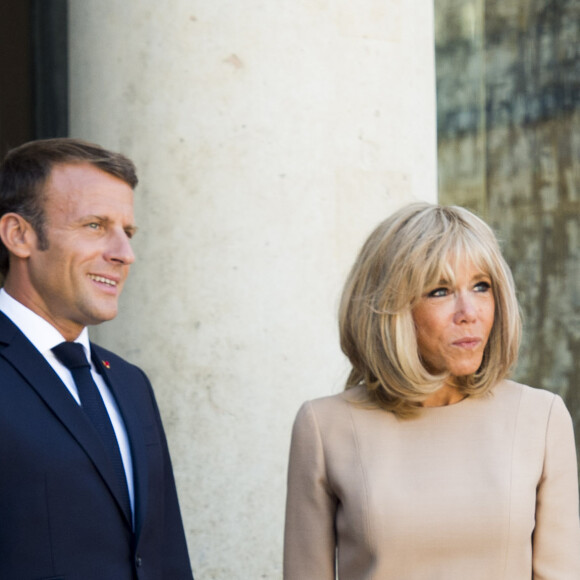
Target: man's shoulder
{"x":7,"y":328}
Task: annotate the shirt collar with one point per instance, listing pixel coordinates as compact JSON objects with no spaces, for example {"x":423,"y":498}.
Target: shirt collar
{"x":43,"y":335}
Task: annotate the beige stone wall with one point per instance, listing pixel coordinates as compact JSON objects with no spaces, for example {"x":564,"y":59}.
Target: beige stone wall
{"x":270,"y":137}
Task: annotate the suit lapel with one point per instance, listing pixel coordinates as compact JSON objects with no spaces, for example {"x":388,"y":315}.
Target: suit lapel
{"x":40,"y":376}
{"x":120,"y":385}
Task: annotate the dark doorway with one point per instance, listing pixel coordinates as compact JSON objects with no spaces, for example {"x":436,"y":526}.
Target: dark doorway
{"x":34,"y":67}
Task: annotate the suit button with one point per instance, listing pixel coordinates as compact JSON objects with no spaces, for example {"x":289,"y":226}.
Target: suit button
{"x":138,"y":561}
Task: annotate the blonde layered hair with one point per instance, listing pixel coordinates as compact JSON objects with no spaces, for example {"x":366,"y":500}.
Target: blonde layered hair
{"x":404,"y":256}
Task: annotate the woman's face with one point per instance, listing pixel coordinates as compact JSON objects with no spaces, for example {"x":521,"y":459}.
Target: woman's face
{"x":453,"y":321}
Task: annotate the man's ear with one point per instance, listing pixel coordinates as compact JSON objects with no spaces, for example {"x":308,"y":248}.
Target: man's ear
{"x":17,"y":234}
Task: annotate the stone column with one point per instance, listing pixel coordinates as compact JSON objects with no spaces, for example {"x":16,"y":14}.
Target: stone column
{"x":270,"y":138}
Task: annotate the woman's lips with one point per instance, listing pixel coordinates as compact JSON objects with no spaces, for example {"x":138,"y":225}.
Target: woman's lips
{"x":468,"y":342}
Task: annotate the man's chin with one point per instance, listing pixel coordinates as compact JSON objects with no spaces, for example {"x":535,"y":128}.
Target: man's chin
{"x":102,"y":315}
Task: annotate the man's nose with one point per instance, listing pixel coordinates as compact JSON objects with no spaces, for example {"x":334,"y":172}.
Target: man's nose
{"x":119,"y":248}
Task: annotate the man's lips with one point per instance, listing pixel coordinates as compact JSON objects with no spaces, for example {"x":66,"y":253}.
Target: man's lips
{"x":104,"y":280}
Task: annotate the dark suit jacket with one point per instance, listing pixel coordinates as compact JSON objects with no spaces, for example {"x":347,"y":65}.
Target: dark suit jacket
{"x":59,"y":519}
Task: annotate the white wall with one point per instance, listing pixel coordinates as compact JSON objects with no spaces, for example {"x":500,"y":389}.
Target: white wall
{"x":270,"y":137}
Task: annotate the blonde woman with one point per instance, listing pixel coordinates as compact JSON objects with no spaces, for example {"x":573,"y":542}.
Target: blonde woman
{"x":432,"y":465}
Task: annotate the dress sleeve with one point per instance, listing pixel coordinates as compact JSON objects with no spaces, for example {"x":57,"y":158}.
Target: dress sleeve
{"x":556,"y":541}
{"x":309,"y":538}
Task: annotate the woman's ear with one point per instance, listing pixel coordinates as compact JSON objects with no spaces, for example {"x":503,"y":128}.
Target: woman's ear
{"x":17,"y":235}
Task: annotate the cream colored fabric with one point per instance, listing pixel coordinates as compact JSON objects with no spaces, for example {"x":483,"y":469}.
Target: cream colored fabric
{"x":485,"y":489}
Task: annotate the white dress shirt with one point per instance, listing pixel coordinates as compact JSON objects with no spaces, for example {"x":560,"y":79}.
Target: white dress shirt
{"x":44,"y":337}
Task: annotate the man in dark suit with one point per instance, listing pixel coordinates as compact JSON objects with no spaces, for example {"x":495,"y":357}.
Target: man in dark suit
{"x":86,"y":484}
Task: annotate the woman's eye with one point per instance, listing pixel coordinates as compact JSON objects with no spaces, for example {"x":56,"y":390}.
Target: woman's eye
{"x":438,"y":292}
{"x":482,"y":287}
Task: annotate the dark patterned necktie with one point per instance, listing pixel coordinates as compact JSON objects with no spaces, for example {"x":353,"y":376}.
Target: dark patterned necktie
{"x":72,"y":356}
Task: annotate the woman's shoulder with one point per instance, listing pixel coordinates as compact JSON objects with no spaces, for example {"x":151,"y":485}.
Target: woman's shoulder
{"x":332,"y":409}
{"x":532,"y":402}
{"x":333,"y":403}
{"x":510,"y":388}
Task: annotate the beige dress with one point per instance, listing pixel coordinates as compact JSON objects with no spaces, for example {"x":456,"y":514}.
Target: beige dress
{"x":486,"y":489}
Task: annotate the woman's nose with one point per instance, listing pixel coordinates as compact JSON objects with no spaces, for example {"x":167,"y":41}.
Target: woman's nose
{"x":465,"y":310}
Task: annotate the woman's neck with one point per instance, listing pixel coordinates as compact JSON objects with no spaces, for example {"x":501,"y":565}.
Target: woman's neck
{"x":446,"y":395}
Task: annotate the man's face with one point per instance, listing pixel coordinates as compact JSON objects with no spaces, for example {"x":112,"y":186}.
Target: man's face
{"x":77,"y":280}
